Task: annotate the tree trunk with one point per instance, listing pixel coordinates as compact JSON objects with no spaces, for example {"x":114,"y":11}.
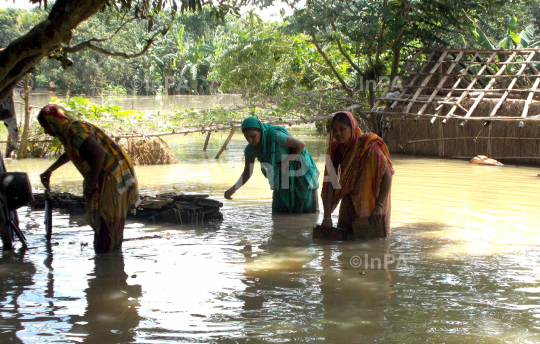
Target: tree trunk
{"x":26,"y":51}
{"x":396,"y":50}
{"x":26,"y":131}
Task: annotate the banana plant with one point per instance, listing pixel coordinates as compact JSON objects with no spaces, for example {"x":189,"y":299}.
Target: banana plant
{"x":512,"y":40}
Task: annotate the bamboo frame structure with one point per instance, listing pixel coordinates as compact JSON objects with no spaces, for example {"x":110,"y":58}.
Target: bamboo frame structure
{"x":487,"y":102}
{"x":432,"y":79}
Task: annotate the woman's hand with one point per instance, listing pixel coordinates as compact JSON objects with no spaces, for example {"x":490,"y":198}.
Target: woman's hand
{"x":46,"y":178}
{"x":376,"y":217}
{"x":327,"y":223}
{"x":229,"y":193}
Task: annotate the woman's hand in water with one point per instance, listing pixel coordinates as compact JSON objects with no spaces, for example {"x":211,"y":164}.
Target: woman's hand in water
{"x":326,"y":223}
{"x":376,"y":217}
{"x":230,"y":192}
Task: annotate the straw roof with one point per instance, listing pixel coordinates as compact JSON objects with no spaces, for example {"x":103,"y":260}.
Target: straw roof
{"x":451,"y":84}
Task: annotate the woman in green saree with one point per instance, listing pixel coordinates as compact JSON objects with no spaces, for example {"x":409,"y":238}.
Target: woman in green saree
{"x":286,"y":164}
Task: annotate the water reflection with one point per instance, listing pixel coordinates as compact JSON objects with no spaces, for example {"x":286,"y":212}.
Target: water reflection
{"x":111,"y":314}
{"x":16,"y":275}
{"x":469,"y":236}
{"x":356,"y":287}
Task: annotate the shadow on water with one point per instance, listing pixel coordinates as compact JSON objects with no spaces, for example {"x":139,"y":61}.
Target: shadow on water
{"x":111,"y":312}
{"x":16,"y":275}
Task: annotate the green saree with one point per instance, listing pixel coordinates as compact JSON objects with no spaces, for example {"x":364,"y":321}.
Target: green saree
{"x":295,"y":190}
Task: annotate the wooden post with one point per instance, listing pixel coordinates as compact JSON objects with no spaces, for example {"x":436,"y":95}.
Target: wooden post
{"x":489,"y":141}
{"x":24,"y":140}
{"x":206,"y":141}
{"x":233,"y":130}
{"x":441,"y":141}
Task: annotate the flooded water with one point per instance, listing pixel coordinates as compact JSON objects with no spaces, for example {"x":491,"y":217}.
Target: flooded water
{"x":146,"y":104}
{"x":465,"y":240}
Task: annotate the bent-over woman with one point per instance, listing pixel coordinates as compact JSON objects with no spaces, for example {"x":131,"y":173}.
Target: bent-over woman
{"x":362,"y":162}
{"x":289,"y":168}
{"x":110,"y":185}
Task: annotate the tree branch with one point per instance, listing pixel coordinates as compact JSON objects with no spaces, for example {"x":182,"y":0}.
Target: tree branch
{"x":344,"y":53}
{"x":329,"y":63}
{"x":26,"y":51}
{"x":115,"y":33}
{"x":88,"y":45}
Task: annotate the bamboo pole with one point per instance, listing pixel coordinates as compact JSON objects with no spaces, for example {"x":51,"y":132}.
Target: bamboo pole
{"x":469,"y":138}
{"x":404,"y":91}
{"x":530,"y":98}
{"x":491,"y":82}
{"x":484,"y":76}
{"x":441,"y":83}
{"x":471,"y":86}
{"x":389,"y":86}
{"x":223,"y":127}
{"x":486,"y":51}
{"x":492,"y":119}
{"x":425,"y":81}
{"x":206,"y":140}
{"x":491,"y":90}
{"x":233,"y":130}
{"x":512,"y":83}
{"x":29,"y":141}
{"x":449,"y":95}
{"x":24,"y":140}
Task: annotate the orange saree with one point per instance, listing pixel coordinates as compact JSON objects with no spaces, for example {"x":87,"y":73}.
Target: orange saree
{"x":360,"y":172}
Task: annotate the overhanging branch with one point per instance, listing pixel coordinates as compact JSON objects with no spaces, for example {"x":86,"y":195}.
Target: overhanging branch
{"x":88,"y":45}
{"x":329,"y":63}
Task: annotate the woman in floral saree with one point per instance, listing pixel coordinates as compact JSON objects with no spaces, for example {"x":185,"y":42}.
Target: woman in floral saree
{"x":362,"y":162}
{"x":290,"y":170}
{"x":110,"y":185}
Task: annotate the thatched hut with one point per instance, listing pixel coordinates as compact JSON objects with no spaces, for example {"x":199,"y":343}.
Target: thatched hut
{"x":465,"y":102}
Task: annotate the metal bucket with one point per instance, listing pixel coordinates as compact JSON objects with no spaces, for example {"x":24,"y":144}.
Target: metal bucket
{"x":16,"y":189}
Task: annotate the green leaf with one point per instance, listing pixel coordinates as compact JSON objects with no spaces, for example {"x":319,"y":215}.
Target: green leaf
{"x":515,"y":37}
{"x":527,"y":35}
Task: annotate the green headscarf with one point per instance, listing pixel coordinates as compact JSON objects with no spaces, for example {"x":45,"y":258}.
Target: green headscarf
{"x":300,"y":196}
{"x":268,"y":145}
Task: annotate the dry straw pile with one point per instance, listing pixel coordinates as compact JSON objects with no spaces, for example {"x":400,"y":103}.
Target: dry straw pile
{"x":148,"y":151}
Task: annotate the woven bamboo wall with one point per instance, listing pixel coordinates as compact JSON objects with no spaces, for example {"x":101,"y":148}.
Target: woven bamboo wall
{"x":504,"y":141}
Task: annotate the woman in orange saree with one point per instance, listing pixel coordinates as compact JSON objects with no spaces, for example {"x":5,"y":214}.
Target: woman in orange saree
{"x":362,"y":164}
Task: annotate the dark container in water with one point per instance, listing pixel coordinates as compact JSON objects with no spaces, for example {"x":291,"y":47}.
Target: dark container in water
{"x":16,"y":189}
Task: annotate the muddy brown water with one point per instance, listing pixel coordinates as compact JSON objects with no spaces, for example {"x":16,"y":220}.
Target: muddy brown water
{"x":465,"y":239}
{"x":147,"y":104}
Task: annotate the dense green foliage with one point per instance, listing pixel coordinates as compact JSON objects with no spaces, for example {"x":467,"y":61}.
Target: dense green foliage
{"x":328,"y":55}
{"x":180,"y":56}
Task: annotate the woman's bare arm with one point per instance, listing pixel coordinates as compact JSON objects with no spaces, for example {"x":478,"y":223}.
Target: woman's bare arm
{"x":296,"y":147}
{"x":244,"y":177}
{"x":46,"y":176}
{"x":94,"y":154}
